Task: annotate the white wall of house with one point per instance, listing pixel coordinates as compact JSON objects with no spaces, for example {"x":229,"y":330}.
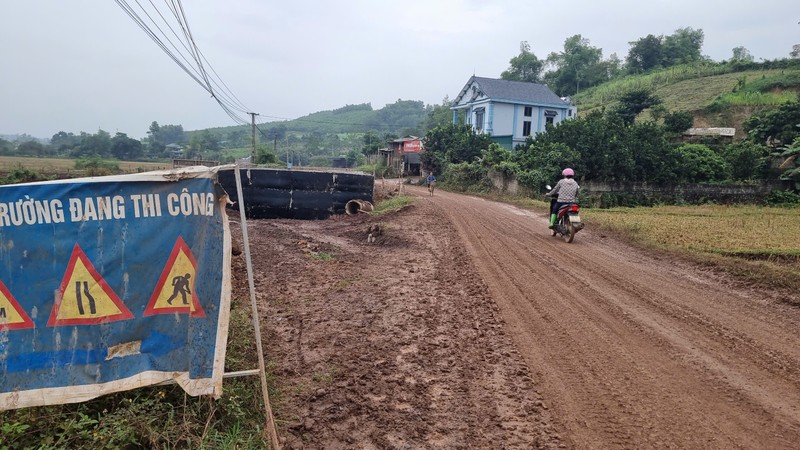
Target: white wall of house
{"x":533,"y":121}
{"x":503,"y":120}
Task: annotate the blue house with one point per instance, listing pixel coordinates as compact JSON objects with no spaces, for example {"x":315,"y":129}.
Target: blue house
{"x":509,"y":111}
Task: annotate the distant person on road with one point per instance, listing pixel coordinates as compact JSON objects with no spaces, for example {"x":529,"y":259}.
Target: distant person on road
{"x":567,"y":191}
{"x":431,"y":180}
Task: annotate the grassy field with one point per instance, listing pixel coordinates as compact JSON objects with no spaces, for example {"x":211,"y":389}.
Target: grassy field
{"x":754,"y":231}
{"x":679,"y":93}
{"x":50,"y":166}
{"x":759,"y":245}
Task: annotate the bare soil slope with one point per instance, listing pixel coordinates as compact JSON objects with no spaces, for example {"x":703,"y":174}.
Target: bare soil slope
{"x":466,"y":325}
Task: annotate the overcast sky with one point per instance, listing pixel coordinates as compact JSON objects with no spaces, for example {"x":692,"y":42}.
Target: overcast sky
{"x":84,"y":65}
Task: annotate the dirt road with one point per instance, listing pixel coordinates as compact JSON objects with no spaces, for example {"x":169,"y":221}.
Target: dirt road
{"x":636,"y":351}
{"x":466,"y":325}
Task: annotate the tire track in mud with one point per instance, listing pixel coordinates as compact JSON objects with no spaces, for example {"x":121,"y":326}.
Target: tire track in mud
{"x":635,"y":351}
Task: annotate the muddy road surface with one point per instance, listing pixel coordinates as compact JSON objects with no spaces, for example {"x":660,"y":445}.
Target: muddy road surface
{"x":466,"y":325}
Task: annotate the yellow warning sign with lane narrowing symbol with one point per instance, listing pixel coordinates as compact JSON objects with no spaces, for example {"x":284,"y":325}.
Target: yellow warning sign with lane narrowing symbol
{"x":12,"y":316}
{"x":84,"y":297}
{"x":175,"y":292}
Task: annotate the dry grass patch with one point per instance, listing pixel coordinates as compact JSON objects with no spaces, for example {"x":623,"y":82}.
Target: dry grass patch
{"x":51,"y":166}
{"x":760,"y":245}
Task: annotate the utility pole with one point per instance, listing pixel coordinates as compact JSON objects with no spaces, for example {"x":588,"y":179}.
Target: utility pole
{"x":253,"y":136}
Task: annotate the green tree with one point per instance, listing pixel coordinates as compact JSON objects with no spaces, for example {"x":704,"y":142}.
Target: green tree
{"x":644,"y":55}
{"x":678,"y":121}
{"x":608,"y":149}
{"x":372,"y":142}
{"x":741,"y":54}
{"x":237,"y":138}
{"x":452,"y":144}
{"x":438,"y":115}
{"x":635,"y":101}
{"x":265,"y":156}
{"x":614,"y":66}
{"x":698,"y":163}
{"x":541,"y":163}
{"x":63,"y":142}
{"x":155,"y":143}
{"x":781,"y":124}
{"x":160,"y":136}
{"x":125,"y":148}
{"x":746,"y":160}
{"x":202,"y":143}
{"x":578,"y":66}
{"x":354,"y":158}
{"x":654,"y":159}
{"x":524,"y":67}
{"x":6,"y":148}
{"x":682,"y":47}
{"x":98,"y":144}
{"x":31,"y":148}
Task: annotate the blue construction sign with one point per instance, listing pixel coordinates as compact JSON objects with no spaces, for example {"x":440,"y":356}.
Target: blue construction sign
{"x":113,"y":283}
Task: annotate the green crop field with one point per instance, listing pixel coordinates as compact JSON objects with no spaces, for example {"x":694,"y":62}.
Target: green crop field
{"x":681,"y":89}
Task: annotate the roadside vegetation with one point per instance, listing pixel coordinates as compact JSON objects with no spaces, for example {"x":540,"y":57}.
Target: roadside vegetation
{"x":392,"y":204}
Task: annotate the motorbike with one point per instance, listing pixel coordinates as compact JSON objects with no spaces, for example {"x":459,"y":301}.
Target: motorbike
{"x":568,"y":220}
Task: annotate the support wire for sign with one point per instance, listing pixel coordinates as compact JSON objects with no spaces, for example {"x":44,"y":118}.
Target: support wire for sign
{"x":271,"y":429}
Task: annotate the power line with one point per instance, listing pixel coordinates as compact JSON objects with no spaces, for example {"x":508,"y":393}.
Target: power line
{"x":195,"y":64}
{"x":196,"y":70}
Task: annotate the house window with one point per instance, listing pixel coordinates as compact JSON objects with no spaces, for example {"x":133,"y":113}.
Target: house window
{"x":528,"y":111}
{"x":479,"y":119}
{"x":526,"y":128}
{"x":549,"y":116}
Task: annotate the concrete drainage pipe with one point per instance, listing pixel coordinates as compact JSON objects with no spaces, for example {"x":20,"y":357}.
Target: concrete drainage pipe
{"x":356,"y":206}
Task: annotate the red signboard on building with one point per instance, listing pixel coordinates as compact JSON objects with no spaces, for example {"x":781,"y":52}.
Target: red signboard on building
{"x":412,"y":146}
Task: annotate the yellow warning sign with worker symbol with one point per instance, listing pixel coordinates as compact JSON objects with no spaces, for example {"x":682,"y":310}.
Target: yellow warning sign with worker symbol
{"x":12,"y":316}
{"x":175,"y":292}
{"x":84,"y":297}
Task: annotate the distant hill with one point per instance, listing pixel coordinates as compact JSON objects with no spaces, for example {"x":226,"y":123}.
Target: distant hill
{"x":401,"y":117}
{"x":717,"y":95}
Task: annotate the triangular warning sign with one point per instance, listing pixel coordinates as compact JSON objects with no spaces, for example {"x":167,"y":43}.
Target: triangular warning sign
{"x":12,"y":316}
{"x":175,"y":291}
{"x":84,"y":297}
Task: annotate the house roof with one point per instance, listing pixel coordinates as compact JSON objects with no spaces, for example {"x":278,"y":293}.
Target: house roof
{"x":406,"y":138}
{"x":518,"y":91}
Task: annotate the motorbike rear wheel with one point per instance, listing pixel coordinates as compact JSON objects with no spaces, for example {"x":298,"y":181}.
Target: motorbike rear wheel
{"x":570,"y":233}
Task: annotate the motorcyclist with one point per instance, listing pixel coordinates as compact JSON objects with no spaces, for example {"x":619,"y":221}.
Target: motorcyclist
{"x":567,"y":192}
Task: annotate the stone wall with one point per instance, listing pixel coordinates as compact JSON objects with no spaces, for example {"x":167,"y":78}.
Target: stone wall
{"x":688,"y":192}
{"x":644,"y":193}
